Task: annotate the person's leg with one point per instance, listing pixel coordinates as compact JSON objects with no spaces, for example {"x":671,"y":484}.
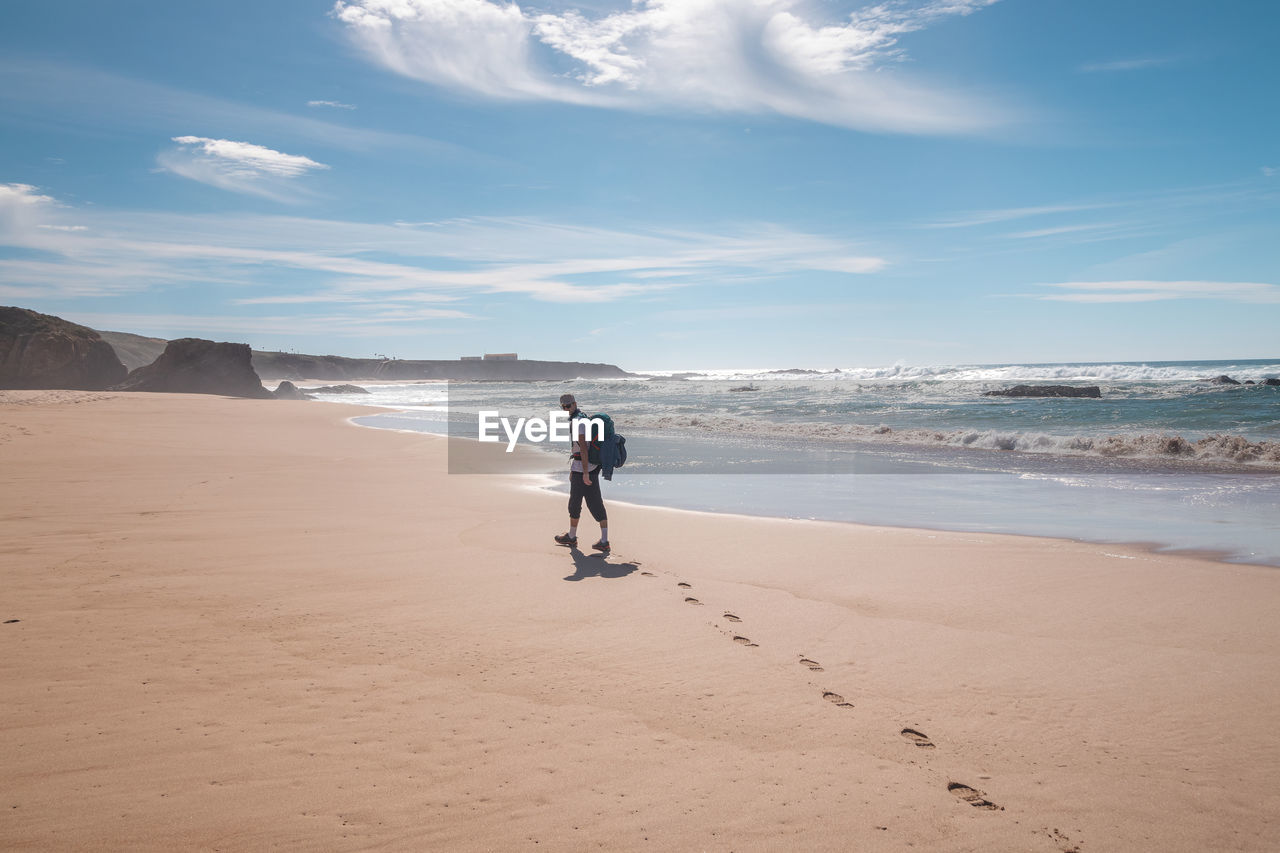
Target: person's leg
{"x":595,"y":503}
{"x":575,"y":508}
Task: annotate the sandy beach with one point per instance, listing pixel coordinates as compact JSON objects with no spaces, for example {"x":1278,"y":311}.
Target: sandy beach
{"x":242,"y":625}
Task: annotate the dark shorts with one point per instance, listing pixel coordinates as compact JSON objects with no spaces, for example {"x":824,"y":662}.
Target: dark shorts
{"x":579,"y":490}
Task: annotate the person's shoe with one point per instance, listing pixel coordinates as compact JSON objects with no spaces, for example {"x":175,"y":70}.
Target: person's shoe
{"x":566,"y":540}
{"x":602,"y":546}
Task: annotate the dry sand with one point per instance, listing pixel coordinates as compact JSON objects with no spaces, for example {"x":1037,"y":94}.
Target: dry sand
{"x":248,"y":625}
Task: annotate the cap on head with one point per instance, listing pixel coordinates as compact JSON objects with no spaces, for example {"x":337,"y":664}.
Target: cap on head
{"x":566,"y":399}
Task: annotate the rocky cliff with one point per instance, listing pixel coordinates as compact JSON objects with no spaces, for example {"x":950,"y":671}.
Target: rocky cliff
{"x":41,"y":351}
{"x":195,"y":366}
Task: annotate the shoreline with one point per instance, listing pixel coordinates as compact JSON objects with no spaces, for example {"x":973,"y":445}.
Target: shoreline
{"x":1152,"y":549}
{"x":1150,"y":546}
{"x":242,"y":624}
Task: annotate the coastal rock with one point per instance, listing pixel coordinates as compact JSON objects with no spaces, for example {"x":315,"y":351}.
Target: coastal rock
{"x":1091,"y":391}
{"x":43,"y":351}
{"x":1272,"y":381}
{"x":745,"y":388}
{"x":288,"y":391}
{"x":195,"y":366}
{"x":1222,"y":380}
{"x":336,"y":389}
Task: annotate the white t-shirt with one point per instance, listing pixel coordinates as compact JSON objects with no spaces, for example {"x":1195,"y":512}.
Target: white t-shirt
{"x":575,"y":465}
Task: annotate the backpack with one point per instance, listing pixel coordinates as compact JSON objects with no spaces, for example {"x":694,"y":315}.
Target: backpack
{"x":611,"y":452}
{"x":608,"y":425}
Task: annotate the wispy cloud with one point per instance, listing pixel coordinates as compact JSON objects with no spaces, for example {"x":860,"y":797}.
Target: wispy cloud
{"x":726,"y":314}
{"x":1125,"y":64}
{"x":329,"y":325}
{"x":1060,"y":229}
{"x":251,"y":159}
{"x":237,"y":166}
{"x":1127,"y":215}
{"x":337,"y":105}
{"x":1007,"y":214}
{"x":766,"y":56}
{"x":417,"y":266}
{"x":86,"y":97}
{"x":1155,"y":291}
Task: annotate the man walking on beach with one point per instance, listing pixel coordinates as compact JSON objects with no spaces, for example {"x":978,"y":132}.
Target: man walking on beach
{"x":582,"y":485}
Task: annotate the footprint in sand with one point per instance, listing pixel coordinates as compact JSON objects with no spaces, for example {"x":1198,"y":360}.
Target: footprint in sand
{"x":920,"y":739}
{"x":972,"y":797}
{"x":837,"y":700}
{"x":647,"y":574}
{"x":743,"y":641}
{"x":812,"y":664}
{"x":684,"y":585}
{"x":692,"y":601}
{"x":732,"y":618}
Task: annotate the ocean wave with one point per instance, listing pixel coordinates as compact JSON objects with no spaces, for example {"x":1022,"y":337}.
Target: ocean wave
{"x":1212,"y":449}
{"x":1119,"y":372}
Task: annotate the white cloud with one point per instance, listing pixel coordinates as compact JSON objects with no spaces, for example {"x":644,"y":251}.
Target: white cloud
{"x":22,"y":206}
{"x":249,"y":158}
{"x":237,"y":166}
{"x":21,"y":194}
{"x":1270,"y":171}
{"x":764,"y":56}
{"x":1155,"y":291}
{"x":337,"y":105}
{"x":440,"y":262}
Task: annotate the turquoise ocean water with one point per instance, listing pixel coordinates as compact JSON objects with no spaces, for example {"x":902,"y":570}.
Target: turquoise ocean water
{"x":1164,"y":457}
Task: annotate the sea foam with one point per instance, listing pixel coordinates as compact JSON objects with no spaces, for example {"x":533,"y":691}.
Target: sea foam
{"x":1213,"y":449}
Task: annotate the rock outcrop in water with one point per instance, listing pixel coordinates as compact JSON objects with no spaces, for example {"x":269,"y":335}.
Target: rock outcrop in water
{"x":1222,"y":380}
{"x":195,"y":366}
{"x":43,"y":351}
{"x":288,"y":391}
{"x":1090,"y":391}
{"x":1272,"y":381}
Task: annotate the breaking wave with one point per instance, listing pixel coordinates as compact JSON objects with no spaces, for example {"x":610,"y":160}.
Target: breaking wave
{"x":1209,"y":450}
{"x":1119,"y":372}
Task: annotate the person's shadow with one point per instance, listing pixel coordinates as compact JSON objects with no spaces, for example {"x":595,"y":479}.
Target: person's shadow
{"x":597,"y":566}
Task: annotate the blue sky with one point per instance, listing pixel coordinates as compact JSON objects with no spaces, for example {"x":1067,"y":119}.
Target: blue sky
{"x":659,"y":184}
